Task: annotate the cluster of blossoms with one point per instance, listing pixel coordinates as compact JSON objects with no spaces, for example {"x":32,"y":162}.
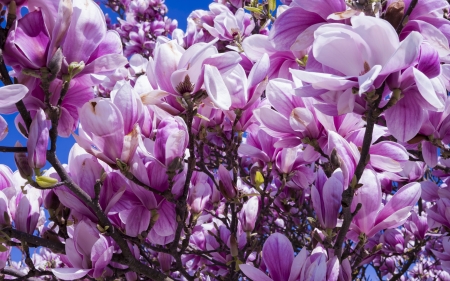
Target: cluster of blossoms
{"x":140,"y":23}
{"x":308,"y":141}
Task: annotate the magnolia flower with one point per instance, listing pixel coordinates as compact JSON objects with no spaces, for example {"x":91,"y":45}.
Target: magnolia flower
{"x":278,"y":256}
{"x":326,"y":197}
{"x":373,"y":216}
{"x":87,"y":252}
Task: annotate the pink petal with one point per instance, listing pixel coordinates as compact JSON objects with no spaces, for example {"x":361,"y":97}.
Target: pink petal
{"x":406,"y":197}
{"x":216,"y":88}
{"x":70,"y":273}
{"x":430,"y":153}
{"x":254,"y":273}
{"x":11,"y":94}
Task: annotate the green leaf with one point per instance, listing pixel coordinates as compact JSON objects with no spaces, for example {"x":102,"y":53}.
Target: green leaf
{"x":253,"y":9}
{"x":272,"y":5}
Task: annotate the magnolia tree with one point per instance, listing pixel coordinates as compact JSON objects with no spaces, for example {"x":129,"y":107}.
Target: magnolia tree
{"x":307,"y":141}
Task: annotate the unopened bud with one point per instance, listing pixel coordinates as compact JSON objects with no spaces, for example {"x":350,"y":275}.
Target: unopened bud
{"x":22,"y":164}
{"x":51,"y":200}
{"x":226,"y":192}
{"x":395,"y":12}
{"x":54,"y":64}
{"x":75,"y":68}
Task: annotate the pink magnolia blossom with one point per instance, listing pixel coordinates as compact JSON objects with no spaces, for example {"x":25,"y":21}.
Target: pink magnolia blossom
{"x":87,"y":252}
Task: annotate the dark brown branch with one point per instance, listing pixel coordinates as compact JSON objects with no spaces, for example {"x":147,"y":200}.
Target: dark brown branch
{"x":12,"y":149}
{"x":411,"y":7}
{"x":32,"y":240}
{"x":348,"y":194}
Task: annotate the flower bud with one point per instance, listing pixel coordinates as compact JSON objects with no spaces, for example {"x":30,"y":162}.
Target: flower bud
{"x":22,"y":164}
{"x":249,"y":214}
{"x":75,"y":68}
{"x":226,"y":186}
{"x":38,"y":140}
{"x":54,"y":64}
{"x":395,"y":12}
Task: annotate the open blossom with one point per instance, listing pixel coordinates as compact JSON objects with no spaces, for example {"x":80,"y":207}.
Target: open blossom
{"x":373,"y":216}
{"x":229,"y":26}
{"x":335,"y":46}
{"x":278,"y":257}
{"x":87,"y":252}
{"x":103,"y":132}
{"x":68,"y":26}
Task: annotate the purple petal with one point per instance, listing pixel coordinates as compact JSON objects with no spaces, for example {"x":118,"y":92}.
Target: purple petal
{"x":30,"y":28}
{"x":429,"y":191}
{"x":128,"y":102}
{"x":105,"y":63}
{"x":38,"y":140}
{"x":397,"y":209}
{"x":166,"y":223}
{"x":369,"y":195}
{"x":332,"y":195}
{"x":254,"y":273}
{"x":323,"y":8}
{"x":278,"y":256}
{"x":277,"y":124}
{"x":404,"y":56}
{"x":289,"y":25}
{"x":404,"y":119}
{"x":429,"y":63}
{"x":86,"y":31}
{"x":137,"y":221}
{"x":111,"y":44}
{"x":63,"y":20}
{"x":279,"y":94}
{"x":430,"y":153}
{"x":426,"y":89}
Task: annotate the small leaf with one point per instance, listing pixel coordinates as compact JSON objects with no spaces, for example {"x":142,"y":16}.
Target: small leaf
{"x":253,"y":9}
{"x":46,"y":182}
{"x":272,"y":5}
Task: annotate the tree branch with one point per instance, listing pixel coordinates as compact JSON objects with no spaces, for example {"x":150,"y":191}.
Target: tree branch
{"x":12,"y":149}
{"x":36,"y":241}
{"x":348,"y":194}
{"x":411,"y":7}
